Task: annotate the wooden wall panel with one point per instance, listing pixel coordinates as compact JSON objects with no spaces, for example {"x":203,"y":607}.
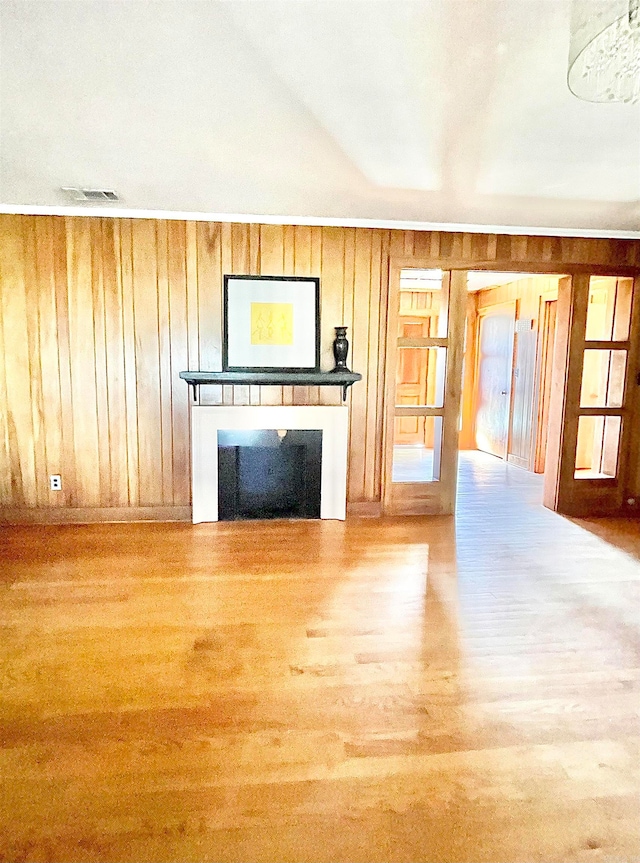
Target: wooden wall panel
{"x":99,"y":315}
{"x":17,"y":365}
{"x":35,"y":364}
{"x":125,"y":243}
{"x":118,"y":492}
{"x":179,"y":359}
{"x":49,"y":357}
{"x":164,"y":358}
{"x":467,"y":427}
{"x":147,"y":354}
{"x":83,"y":359}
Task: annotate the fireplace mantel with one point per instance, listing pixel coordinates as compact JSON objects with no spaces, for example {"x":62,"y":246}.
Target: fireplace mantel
{"x":277,"y":378}
{"x":207,"y":420}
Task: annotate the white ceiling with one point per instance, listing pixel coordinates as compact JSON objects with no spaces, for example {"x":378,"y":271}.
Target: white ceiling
{"x":445,"y":112}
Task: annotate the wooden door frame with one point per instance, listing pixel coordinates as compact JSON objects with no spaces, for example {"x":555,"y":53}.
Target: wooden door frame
{"x":631,"y":474}
{"x":480,"y":314}
{"x":433,"y":498}
{"x":542,"y":422}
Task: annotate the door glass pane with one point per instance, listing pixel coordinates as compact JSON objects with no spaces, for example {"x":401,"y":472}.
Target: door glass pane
{"x":417,"y":447}
{"x":420,"y":374}
{"x":597,"y":449}
{"x":609,"y":309}
{"x":603,"y":377}
{"x":421,"y":304}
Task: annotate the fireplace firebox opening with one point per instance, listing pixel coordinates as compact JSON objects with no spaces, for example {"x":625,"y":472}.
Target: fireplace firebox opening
{"x":269,"y":473}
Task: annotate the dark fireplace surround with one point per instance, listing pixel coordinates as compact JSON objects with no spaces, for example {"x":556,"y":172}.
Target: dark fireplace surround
{"x":269,"y":473}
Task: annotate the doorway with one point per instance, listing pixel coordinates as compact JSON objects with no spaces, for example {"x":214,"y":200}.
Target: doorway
{"x":483,"y":361}
{"x":513,"y":361}
{"x":494,"y":374}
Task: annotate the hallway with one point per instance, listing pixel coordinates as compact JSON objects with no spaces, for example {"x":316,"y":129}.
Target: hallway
{"x":400,"y":689}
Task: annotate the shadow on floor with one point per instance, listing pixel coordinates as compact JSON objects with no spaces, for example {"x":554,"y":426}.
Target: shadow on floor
{"x":623,"y":533}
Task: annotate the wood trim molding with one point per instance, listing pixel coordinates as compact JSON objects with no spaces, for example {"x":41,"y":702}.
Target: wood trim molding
{"x":518,"y":461}
{"x":565,"y":390}
{"x":365,"y":509}
{"x":538,"y":419}
{"x":89,"y":515}
{"x":630,"y":467}
{"x":508,"y":265}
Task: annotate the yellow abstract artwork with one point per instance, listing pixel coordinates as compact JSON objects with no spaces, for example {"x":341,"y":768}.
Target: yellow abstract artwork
{"x":271,"y":323}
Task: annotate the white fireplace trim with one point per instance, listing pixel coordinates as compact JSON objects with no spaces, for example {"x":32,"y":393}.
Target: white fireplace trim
{"x":207,"y":419}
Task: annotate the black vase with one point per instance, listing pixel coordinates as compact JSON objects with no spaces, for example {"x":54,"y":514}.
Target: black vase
{"x":340,"y":350}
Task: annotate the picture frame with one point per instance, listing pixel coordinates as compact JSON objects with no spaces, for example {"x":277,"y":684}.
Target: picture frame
{"x":271,"y":323}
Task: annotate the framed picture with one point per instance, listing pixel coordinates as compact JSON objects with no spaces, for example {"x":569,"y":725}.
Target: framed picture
{"x":271,"y":322}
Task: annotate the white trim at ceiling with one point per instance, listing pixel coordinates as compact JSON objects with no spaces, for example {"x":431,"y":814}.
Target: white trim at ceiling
{"x":315,"y":221}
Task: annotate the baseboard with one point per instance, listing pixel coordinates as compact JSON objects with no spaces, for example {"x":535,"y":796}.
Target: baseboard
{"x":365,"y":508}
{"x":88,"y":515}
{"x":519,"y":462}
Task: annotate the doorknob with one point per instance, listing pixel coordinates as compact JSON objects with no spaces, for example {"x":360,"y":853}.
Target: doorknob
{"x":503,"y":392}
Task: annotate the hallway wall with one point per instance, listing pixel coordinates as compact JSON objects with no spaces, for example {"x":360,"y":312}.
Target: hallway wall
{"x":527,"y":294}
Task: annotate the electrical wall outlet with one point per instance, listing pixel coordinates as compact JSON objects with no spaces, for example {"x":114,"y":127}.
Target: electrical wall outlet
{"x":55,"y":482}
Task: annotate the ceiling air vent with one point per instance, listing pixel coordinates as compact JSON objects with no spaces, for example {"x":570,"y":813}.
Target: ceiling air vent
{"x":93,"y":195}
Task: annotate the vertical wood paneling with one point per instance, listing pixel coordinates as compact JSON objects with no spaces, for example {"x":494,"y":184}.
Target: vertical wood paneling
{"x":209,"y":295}
{"x":254,"y":267}
{"x":422,"y":244}
{"x":331,"y":301}
{"x":359,"y":359}
{"x":271,"y":264}
{"x":289,"y":249}
{"x":35,"y":366}
{"x":397,"y":246}
{"x":99,"y":336}
{"x":82,"y":354}
{"x":316,"y":270}
{"x":254,"y":248}
{"x":240,"y":265}
{"x":18,"y":412}
{"x":467,"y":434}
{"x":130,"y":388}
{"x":226,"y":393}
{"x":375,"y":353}
{"x":49,"y":350}
{"x":17,"y":363}
{"x":191,"y":260}
{"x":355,"y":426}
{"x":118,"y":494}
{"x":67,"y":467}
{"x":164,"y":345}
{"x":98,"y":317}
{"x":301,"y":267}
{"x":240,"y":249}
{"x":6,"y":491}
{"x":176,"y":256}
{"x":145,"y":304}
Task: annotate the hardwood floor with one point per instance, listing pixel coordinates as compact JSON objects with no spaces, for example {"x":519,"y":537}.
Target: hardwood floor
{"x":376,"y":690}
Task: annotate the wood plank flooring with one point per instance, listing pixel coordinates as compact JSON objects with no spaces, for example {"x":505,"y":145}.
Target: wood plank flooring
{"x":379,"y":690}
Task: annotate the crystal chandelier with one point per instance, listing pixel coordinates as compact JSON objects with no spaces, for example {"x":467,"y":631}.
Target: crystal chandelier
{"x":604,"y":53}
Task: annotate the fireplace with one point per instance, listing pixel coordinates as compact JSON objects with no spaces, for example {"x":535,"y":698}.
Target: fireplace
{"x":269,"y":473}
{"x":268,"y":462}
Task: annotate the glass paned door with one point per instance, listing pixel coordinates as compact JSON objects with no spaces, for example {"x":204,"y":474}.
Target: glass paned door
{"x":600,"y":407}
{"x":425,"y":346}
